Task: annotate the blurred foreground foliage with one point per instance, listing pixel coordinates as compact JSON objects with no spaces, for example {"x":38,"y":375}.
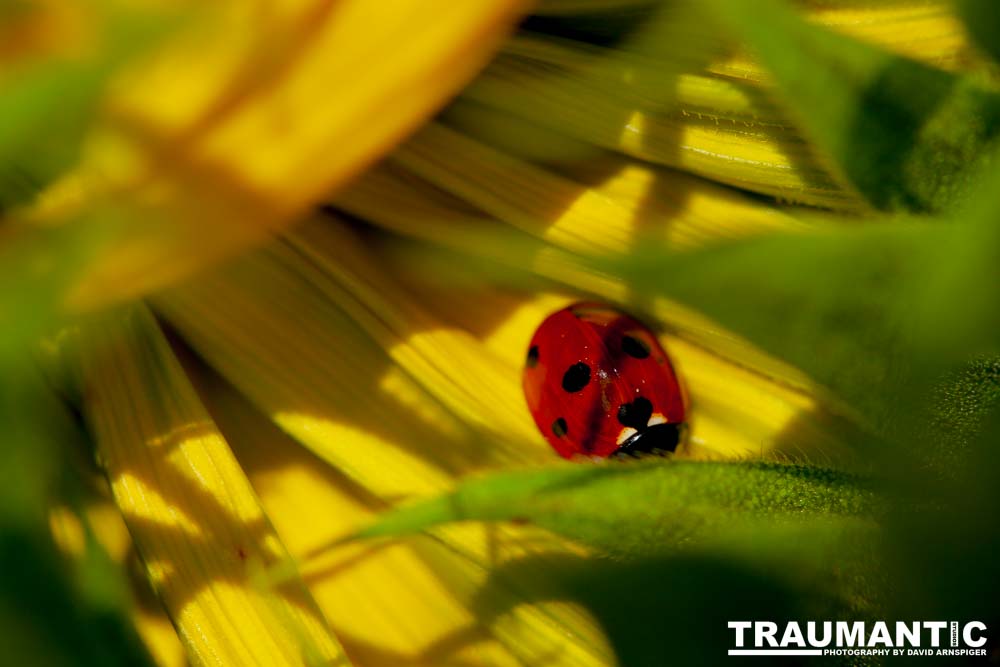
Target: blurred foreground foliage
{"x":895,"y":316}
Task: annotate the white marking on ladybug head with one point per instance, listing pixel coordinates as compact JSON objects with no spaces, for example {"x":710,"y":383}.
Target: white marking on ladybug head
{"x":655,"y":419}
{"x":625,"y":434}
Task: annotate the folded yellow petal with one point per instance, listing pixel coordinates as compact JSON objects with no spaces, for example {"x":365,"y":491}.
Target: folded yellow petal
{"x":211,"y":142}
{"x":202,"y":535}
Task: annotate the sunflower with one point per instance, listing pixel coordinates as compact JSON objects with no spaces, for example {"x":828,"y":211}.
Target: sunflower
{"x":271,"y":270}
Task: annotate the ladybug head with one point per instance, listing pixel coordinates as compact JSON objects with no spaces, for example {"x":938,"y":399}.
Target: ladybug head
{"x":656,"y":438}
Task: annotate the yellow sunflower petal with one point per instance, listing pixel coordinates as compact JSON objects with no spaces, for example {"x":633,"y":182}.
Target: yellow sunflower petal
{"x":614,"y":207}
{"x":447,"y":362}
{"x":211,"y":142}
{"x":721,"y":122}
{"x":264,"y":323}
{"x":405,"y":203}
{"x":387,"y":603}
{"x":734,"y":410}
{"x":190,"y":509}
{"x":733,"y":136}
{"x":253,"y":318}
{"x":926,"y":30}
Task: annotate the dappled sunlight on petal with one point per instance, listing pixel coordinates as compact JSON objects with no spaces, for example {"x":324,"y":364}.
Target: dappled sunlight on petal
{"x":404,"y":603}
{"x":102,"y":519}
{"x":417,"y":209}
{"x":203,"y":575}
{"x":447,"y":362}
{"x":735,"y":411}
{"x":340,"y":398}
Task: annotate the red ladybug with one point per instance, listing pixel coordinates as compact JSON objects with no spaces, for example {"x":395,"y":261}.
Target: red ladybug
{"x":598,"y":383}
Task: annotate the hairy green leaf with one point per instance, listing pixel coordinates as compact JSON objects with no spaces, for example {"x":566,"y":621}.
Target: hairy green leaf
{"x":646,"y":507}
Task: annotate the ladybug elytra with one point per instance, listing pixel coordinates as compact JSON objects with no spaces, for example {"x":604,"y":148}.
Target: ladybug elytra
{"x":598,"y":383}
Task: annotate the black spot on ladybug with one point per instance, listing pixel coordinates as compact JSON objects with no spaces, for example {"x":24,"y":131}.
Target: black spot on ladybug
{"x":635,"y":414}
{"x":532,"y":360}
{"x":635,"y":347}
{"x":559,"y":427}
{"x":576,"y":377}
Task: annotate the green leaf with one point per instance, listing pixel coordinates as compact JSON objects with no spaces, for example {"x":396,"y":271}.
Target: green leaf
{"x":646,"y":506}
{"x":955,"y":302}
{"x":905,"y":135}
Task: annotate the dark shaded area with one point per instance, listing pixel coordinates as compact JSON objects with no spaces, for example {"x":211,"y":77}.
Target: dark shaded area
{"x":607,"y":29}
{"x":671,"y":610}
{"x":45,"y":619}
{"x":982,"y":20}
{"x":53,"y":610}
{"x":946,"y":552}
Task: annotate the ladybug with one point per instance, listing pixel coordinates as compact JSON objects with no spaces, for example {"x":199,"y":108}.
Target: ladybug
{"x":598,"y":383}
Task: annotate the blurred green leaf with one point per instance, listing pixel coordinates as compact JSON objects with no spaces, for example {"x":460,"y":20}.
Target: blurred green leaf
{"x":907,"y":136}
{"x":982,"y":20}
{"x":37,"y":267}
{"x":47,"y":104}
{"x":43,"y":116}
{"x":945,"y":552}
{"x":955,"y":302}
{"x":647,"y":506}
{"x":50,"y":612}
{"x":834,"y":303}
